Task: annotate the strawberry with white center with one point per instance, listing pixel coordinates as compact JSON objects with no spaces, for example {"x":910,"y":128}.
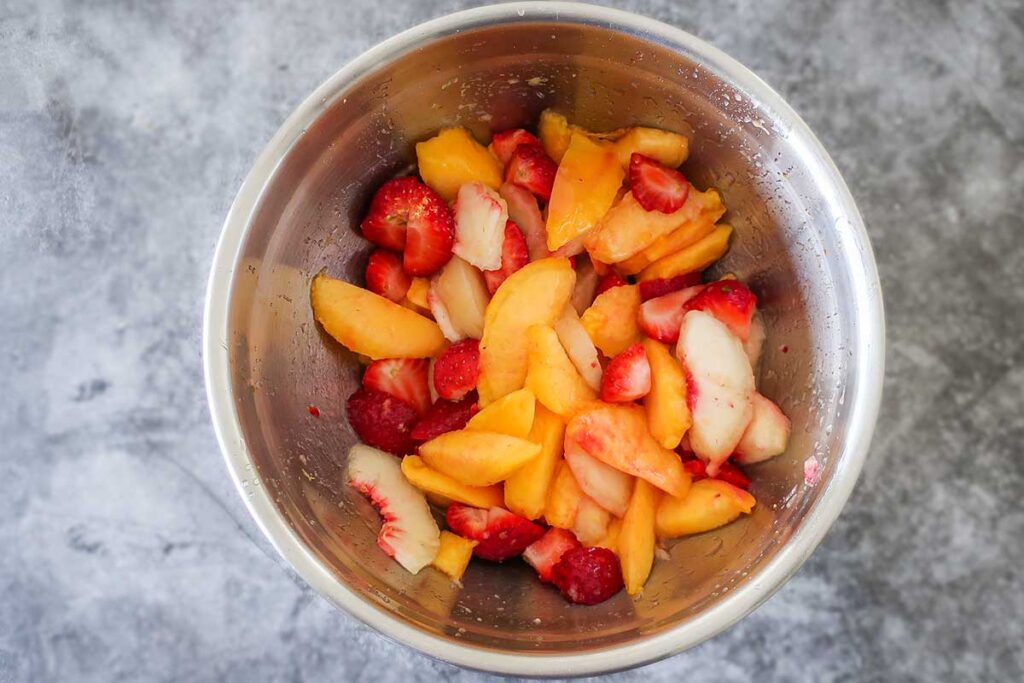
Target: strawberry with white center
{"x":609,"y":487}
{"x":505,"y":143}
{"x":409,"y":533}
{"x":405,"y":215}
{"x":656,"y":187}
{"x":545,"y":553}
{"x":531,"y":168}
{"x":384,"y":275}
{"x":766,"y":436}
{"x":403,"y":378}
{"x":627,"y":377}
{"x":480,"y":217}
{"x":500,"y":534}
{"x":524,"y":212}
{"x":514,"y":255}
{"x":457,"y":370}
{"x":720,"y":387}
{"x":730,"y":301}
{"x":660,"y":318}
{"x":652,"y":289}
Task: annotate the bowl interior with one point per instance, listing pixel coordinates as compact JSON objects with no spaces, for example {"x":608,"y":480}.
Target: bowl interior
{"x":489,"y":77}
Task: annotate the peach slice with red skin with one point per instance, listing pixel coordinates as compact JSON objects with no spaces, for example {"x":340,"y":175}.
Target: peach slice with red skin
{"x":461,"y":289}
{"x":767,"y":434}
{"x":579,"y":347}
{"x":609,"y":487}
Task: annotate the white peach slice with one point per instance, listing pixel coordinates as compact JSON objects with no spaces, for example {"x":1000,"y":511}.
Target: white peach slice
{"x":767,"y":434}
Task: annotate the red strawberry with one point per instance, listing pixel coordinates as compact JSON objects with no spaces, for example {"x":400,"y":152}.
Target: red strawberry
{"x":609,"y":280}
{"x":656,"y":187}
{"x":545,"y":553}
{"x":403,"y":378}
{"x":652,"y":289}
{"x":727,"y":472}
{"x":696,"y":468}
{"x":443,"y":417}
{"x":627,"y":377}
{"x":456,"y":370}
{"x":505,"y":143}
{"x":499,"y":533}
{"x":514,"y":255}
{"x":530,"y":167}
{"x":660,"y":318}
{"x":587,"y":576}
{"x":384,"y":275}
{"x":381,"y":420}
{"x":730,"y":301}
{"x":407,"y":215}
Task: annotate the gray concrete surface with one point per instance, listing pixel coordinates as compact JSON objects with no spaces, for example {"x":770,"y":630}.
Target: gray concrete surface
{"x":125,"y":129}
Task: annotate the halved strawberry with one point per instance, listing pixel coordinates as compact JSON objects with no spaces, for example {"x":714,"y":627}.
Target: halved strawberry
{"x":514,"y":255}
{"x":730,"y":301}
{"x":627,"y":377}
{"x":505,"y":143}
{"x":500,"y":534}
{"x":381,"y":420}
{"x":545,"y":553}
{"x":389,"y":212}
{"x":530,"y":167}
{"x":609,"y":280}
{"x":661,"y":317}
{"x":657,"y":187}
{"x":384,"y":275}
{"x":457,"y":369}
{"x":443,"y":417}
{"x":652,"y":289}
{"x":403,"y":378}
{"x":406,"y":215}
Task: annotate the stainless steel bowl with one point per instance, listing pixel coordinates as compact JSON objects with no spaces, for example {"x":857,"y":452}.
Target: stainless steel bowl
{"x":799,"y":241}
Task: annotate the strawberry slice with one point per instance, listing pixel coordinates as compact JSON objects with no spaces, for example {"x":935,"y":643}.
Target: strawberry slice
{"x":384,"y":275}
{"x":531,"y":168}
{"x":730,"y":301}
{"x":609,"y":280}
{"x":381,"y":420}
{"x":443,"y":417}
{"x":727,"y":472}
{"x":587,"y":576}
{"x":652,"y":289}
{"x":545,"y":553}
{"x":457,"y":369}
{"x":499,"y":533}
{"x":407,"y":215}
{"x":505,"y":143}
{"x":514,"y":255}
{"x":627,"y":377}
{"x":660,"y":318}
{"x":656,"y":187}
{"x":403,"y":378}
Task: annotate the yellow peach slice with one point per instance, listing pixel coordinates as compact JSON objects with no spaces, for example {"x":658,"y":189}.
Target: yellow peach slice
{"x":371,"y":325}
{"x":612,"y":536}
{"x":617,"y":435}
{"x":453,"y":158}
{"x":611,"y":319}
{"x":663,"y":146}
{"x":588,"y":178}
{"x":431,"y":481}
{"x":702,"y":209}
{"x":668,"y":415}
{"x":512,"y":414}
{"x":592,"y":522}
{"x":695,"y":257}
{"x":551,"y":376}
{"x":454,"y":554}
{"x":478,"y":458}
{"x":636,"y":540}
{"x":710,"y":503}
{"x":563,"y":498}
{"x":526,"y":490}
{"x":533,"y":295}
{"x":554,"y":133}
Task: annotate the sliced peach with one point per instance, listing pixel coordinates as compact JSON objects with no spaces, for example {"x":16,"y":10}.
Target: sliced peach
{"x":462,"y":289}
{"x":666,"y":147}
{"x":417,"y":295}
{"x":693,"y":258}
{"x":453,"y":158}
{"x":579,"y":347}
{"x":767,"y":434}
{"x":535,"y":294}
{"x":618,"y":436}
{"x":668,"y":416}
{"x":526,"y":490}
{"x":563,"y":498}
{"x":551,"y":376}
{"x":612,"y":536}
{"x":371,"y":325}
{"x":588,"y":178}
{"x":702,"y":209}
{"x":454,"y":554}
{"x":609,"y":487}
{"x":478,"y":458}
{"x":710,"y":503}
{"x":611,"y":319}
{"x":555,"y":133}
{"x":430,"y":481}
{"x":755,"y":340}
{"x":512,"y":414}
{"x":592,"y":522}
{"x":587,"y":279}
{"x":636,"y":539}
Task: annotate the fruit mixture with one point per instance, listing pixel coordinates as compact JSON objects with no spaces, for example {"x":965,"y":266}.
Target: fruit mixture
{"x":545,"y":360}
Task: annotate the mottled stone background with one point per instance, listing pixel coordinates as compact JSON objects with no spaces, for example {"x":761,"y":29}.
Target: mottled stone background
{"x":125,"y":129}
